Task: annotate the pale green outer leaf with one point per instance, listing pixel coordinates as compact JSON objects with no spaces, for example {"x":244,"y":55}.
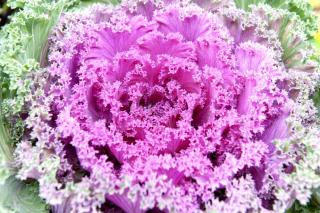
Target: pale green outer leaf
{"x":244,"y":4}
{"x":22,"y":47}
{"x":5,"y":153}
{"x":16,"y":196}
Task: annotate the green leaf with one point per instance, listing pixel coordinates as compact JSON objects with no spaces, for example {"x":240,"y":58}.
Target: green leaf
{"x":21,"y":45}
{"x":20,"y":197}
{"x":312,"y":207}
{"x":316,"y":99}
{"x":5,"y":149}
{"x":244,"y":4}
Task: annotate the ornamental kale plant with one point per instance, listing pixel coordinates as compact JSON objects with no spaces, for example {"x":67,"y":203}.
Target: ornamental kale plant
{"x":160,"y":106}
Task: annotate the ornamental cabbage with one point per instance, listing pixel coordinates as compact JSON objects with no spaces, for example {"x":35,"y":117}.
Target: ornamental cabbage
{"x":170,"y":106}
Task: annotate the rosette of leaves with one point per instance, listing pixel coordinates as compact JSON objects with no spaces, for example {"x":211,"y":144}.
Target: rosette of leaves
{"x":23,"y":52}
